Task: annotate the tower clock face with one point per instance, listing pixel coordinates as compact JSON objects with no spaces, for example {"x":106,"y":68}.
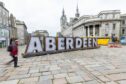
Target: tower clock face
{"x":63,"y":20}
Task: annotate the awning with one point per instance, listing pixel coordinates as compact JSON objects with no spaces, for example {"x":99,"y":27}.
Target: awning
{"x":2,"y":39}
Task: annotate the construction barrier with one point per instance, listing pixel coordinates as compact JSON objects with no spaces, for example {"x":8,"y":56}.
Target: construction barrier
{"x":103,"y":41}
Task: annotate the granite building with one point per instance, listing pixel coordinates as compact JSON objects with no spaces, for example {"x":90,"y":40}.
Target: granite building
{"x":4,"y":26}
{"x":22,"y":34}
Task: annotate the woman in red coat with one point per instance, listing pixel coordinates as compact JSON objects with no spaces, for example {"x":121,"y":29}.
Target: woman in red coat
{"x":13,"y":52}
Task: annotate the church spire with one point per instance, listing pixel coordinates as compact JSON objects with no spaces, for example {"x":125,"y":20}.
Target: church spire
{"x":63,"y":12}
{"x":77,"y":12}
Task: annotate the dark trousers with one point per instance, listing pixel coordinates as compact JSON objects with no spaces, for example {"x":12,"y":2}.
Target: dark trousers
{"x":15,"y":59}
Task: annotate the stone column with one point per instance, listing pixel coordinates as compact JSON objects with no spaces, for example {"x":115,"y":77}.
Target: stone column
{"x":84,"y":33}
{"x":94,"y":30}
{"x":88,"y":31}
{"x":99,"y":30}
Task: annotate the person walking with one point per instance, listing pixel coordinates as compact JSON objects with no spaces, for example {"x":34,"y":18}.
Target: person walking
{"x":13,"y":49}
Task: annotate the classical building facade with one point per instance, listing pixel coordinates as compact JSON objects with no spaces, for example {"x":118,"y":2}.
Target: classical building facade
{"x":106,"y":23}
{"x":4,"y":26}
{"x":41,"y":33}
{"x":22,"y":34}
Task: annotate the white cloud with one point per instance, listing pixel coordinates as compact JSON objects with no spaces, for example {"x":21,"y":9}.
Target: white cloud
{"x":45,"y":14}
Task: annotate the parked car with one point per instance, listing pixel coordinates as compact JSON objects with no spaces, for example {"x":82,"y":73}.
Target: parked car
{"x":123,"y":40}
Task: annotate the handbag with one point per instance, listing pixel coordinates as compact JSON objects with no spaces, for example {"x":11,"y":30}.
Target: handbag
{"x":9,"y":48}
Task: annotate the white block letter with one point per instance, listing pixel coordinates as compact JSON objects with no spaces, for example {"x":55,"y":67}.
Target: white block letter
{"x":69,"y":43}
{"x":50,"y":44}
{"x":61,"y":43}
{"x":85,"y":43}
{"x":78,"y":43}
{"x":95,"y":42}
{"x":34,"y":45}
{"x":89,"y":42}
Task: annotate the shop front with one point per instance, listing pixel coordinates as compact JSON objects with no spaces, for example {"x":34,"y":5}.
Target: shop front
{"x":3,"y":42}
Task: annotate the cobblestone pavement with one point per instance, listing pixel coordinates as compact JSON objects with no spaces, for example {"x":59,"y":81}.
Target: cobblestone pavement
{"x":98,"y":66}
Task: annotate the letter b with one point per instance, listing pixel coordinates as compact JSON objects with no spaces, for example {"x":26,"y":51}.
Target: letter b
{"x":50,"y":44}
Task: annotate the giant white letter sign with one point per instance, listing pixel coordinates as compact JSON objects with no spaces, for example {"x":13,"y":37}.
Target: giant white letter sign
{"x":58,"y":44}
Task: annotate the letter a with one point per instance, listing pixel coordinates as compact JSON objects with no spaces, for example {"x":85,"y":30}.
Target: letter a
{"x":34,"y":45}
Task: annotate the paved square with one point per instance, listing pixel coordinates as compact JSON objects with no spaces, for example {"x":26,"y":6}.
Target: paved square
{"x":97,"y":66}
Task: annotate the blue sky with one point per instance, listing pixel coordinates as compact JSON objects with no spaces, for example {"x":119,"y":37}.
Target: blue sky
{"x":45,"y":14}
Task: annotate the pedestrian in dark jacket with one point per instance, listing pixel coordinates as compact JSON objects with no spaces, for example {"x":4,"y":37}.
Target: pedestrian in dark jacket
{"x":13,"y":52}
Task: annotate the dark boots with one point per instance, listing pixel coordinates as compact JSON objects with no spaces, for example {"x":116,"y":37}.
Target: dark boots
{"x":15,"y":61}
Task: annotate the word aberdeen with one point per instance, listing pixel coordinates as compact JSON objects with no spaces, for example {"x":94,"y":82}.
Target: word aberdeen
{"x":50,"y":45}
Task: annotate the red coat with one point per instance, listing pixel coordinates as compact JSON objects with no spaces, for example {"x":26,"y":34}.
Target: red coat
{"x":14,"y":51}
